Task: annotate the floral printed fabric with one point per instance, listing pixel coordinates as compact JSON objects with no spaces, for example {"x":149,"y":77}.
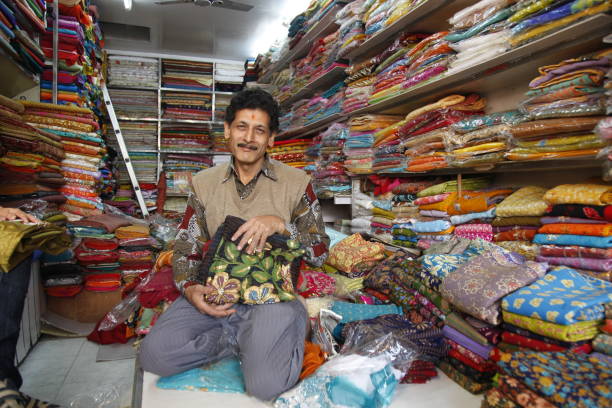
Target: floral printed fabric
{"x":521,"y":394}
{"x":235,"y":276}
{"x":312,"y":283}
{"x":528,"y":201}
{"x":587,"y":194}
{"x":563,"y":296}
{"x":355,"y":311}
{"x":494,"y":398}
{"x":474,"y":231}
{"x":572,"y":332}
{"x":601,"y":230}
{"x":565,"y":379}
{"x":353,"y":250}
{"x":463,"y":380}
{"x":570,"y":239}
{"x":478,"y":286}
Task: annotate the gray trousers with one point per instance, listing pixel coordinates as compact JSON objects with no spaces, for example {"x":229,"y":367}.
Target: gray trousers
{"x":270,"y":340}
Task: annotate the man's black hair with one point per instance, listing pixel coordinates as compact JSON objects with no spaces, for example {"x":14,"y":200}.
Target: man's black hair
{"x":254,"y":98}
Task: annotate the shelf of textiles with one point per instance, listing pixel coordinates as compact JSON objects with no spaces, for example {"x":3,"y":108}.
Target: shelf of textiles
{"x":319,"y":22}
{"x":326,"y":79}
{"x":133,"y":72}
{"x":145,"y":167}
{"x":134,"y":104}
{"x":60,"y":161}
{"x":79,"y":58}
{"x":21,"y":57}
{"x":388,"y":83}
{"x":218,"y":138}
{"x":229,"y":77}
{"x":112,"y":254}
{"x":186,"y":106}
{"x":192,"y":137}
{"x":178,"y":169}
{"x":222,"y":101}
{"x":187,"y":75}
{"x":137,"y":136}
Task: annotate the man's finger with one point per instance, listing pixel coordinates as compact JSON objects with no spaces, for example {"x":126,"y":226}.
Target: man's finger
{"x":254,"y":242}
{"x":240,"y":231}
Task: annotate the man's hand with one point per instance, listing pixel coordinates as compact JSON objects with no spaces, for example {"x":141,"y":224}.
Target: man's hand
{"x":256,"y":231}
{"x":10,"y":214}
{"x":195,"y":295}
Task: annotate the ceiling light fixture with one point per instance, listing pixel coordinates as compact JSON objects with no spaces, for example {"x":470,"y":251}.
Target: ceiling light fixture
{"x":127,"y":4}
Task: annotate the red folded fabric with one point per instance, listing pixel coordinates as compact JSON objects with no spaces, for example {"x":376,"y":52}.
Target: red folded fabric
{"x":538,"y":345}
{"x":98,"y":244}
{"x":63,"y":291}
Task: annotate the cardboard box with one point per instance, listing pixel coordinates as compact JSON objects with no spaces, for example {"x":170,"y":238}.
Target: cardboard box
{"x":86,"y":307}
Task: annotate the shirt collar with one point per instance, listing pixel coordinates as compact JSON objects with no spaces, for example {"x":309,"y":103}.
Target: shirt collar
{"x":267,"y":169}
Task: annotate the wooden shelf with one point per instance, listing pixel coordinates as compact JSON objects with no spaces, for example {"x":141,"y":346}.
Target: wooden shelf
{"x":15,"y":79}
{"x":326,"y":25}
{"x":326,"y":80}
{"x":587,"y":162}
{"x":576,"y":34}
{"x":312,"y":127}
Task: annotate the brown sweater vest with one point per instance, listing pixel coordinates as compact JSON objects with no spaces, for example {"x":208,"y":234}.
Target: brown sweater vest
{"x":269,"y":197}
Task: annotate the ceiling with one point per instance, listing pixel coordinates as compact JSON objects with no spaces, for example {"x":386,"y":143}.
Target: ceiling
{"x":190,"y":30}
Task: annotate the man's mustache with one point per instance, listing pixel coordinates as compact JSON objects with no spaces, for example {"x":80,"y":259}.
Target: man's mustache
{"x":248,"y":146}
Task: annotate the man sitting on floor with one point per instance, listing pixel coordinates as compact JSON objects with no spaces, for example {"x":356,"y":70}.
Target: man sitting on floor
{"x":273,"y":198}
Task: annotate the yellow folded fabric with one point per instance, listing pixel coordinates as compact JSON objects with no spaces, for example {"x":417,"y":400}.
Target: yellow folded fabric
{"x":587,"y":194}
{"x":442,"y":103}
{"x":573,"y":332}
{"x":527,"y":201}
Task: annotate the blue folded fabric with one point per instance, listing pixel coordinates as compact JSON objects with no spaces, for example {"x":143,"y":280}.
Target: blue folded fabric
{"x":570,"y":239}
{"x":425,"y":226}
{"x":462,"y":219}
{"x":351,"y":312}
{"x":224,"y":376}
{"x":564,"y":296}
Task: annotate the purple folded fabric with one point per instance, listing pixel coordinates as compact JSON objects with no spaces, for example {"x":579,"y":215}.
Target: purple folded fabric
{"x":461,"y":339}
{"x":602,"y":63}
{"x":570,"y":220}
{"x":592,"y":264}
{"x":423,"y":76}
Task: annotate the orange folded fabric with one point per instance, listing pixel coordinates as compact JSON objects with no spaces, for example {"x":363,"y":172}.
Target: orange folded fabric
{"x":476,"y":201}
{"x":314,"y":357}
{"x":442,"y":205}
{"x":599,"y":230}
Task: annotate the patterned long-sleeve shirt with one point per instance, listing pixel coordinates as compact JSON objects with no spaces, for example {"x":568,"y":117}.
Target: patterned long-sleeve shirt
{"x":306,"y":225}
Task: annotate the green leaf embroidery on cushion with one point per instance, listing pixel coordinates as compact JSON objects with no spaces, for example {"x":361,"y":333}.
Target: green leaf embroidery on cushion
{"x":241,"y":270}
{"x":293,"y":244}
{"x":249,"y":259}
{"x":261,"y":276}
{"x":276,"y":275}
{"x":231,"y":251}
{"x":219,"y":265}
{"x":267,"y":263}
{"x":285,"y":296}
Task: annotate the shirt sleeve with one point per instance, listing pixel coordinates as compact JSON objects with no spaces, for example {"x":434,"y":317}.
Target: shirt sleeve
{"x":190,"y":239}
{"x":308,"y":228}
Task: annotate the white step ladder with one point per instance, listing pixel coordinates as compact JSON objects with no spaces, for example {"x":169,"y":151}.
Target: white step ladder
{"x":124,"y":152}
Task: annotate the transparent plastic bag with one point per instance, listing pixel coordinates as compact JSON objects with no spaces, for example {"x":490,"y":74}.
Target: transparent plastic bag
{"x":476,"y":13}
{"x":364,"y":378}
{"x":581,"y":106}
{"x":604,"y":128}
{"x":105,"y":396}
{"x":322,"y":330}
{"x":162,"y":228}
{"x":476,"y":122}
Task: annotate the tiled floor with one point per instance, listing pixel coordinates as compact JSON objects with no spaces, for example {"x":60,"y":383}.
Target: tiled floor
{"x":59,"y":370}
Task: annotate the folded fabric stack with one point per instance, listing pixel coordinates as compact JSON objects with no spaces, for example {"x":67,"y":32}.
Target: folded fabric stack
{"x":145,"y":167}
{"x":85,"y":151}
{"x":291,"y":152}
{"x":218,"y":138}
{"x":577,"y":229}
{"x":80,"y":58}
{"x":29,"y":158}
{"x":549,"y":315}
{"x":358,"y":90}
{"x":536,"y":20}
{"x":184,"y":105}
{"x":330,"y":179}
{"x":296,"y":118}
{"x":133,"y":72}
{"x":133,"y":103}
{"x":358,"y":147}
{"x":18,"y":23}
{"x":476,"y":287}
{"x":404,"y":209}
{"x":190,"y":75}
{"x":602,"y":344}
{"x":149,"y":195}
{"x":382,"y":219}
{"x":178,"y":169}
{"x":381,"y":14}
{"x":604,"y":131}
{"x":421,"y":135}
{"x":438,"y":203}
{"x":221,"y":103}
{"x":350,"y":20}
{"x":323,"y":105}
{"x":553,"y":379}
{"x":564,"y":103}
{"x":136,"y":253}
{"x":229,"y":77}
{"x":480,"y":140}
{"x":124,"y":199}
{"x":517,"y":220}
{"x":61,"y":275}
{"x":191,"y":137}
{"x":391,"y":66}
{"x":479,"y":32}
{"x":429,"y":59}
{"x":251,"y":73}
{"x":136,"y":135}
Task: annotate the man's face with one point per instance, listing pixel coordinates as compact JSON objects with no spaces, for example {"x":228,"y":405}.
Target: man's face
{"x":249,"y":135}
